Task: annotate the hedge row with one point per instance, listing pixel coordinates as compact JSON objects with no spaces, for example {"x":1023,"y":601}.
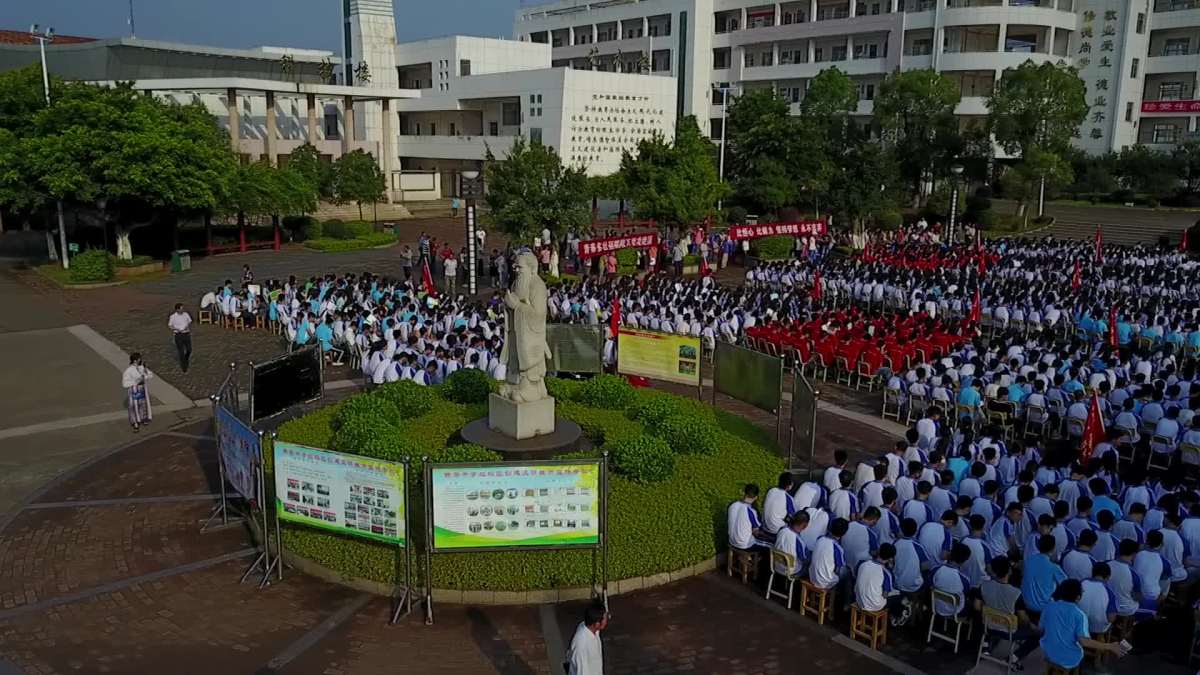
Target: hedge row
{"x":666,"y":502}
{"x":332,"y":245}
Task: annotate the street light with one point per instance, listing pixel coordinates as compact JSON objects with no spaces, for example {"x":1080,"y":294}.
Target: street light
{"x":957,"y":170}
{"x":724,"y":89}
{"x":471,"y":188}
{"x":43,"y":37}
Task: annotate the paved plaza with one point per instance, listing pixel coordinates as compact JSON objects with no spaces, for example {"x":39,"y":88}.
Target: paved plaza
{"x":103,"y":568}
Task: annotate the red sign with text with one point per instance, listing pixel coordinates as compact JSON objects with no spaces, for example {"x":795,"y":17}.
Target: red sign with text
{"x":591,"y":248}
{"x":803,"y":228}
{"x":1170,"y":106}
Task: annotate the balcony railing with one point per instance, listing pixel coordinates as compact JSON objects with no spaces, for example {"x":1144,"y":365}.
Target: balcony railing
{"x":1176,"y":5}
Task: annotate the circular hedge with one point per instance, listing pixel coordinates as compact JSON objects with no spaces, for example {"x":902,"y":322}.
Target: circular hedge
{"x":667,"y":496}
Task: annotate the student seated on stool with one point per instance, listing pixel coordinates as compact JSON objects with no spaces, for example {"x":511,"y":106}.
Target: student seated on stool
{"x":745,"y":528}
{"x":874,"y":587}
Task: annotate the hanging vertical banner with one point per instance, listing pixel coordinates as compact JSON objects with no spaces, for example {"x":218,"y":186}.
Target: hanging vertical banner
{"x":240,"y":449}
{"x":351,"y":494}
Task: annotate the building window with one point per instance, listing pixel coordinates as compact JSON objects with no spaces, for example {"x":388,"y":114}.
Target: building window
{"x":1141,"y":23}
{"x":819,"y":54}
{"x":721,"y":58}
{"x":493,"y":129}
{"x":331,"y":126}
{"x":715,"y":125}
{"x":922,"y":47}
{"x":464,"y":67}
{"x":535,"y":134}
{"x":866,"y":51}
{"x":1133,"y":67}
{"x":839,"y":53}
{"x":453,"y":129}
{"x":417,"y":129}
{"x":433,"y":129}
{"x":1170,"y":91}
{"x":749,"y":60}
{"x":510,"y":115}
{"x":1176,"y":46}
{"x":866,"y":92}
{"x":1129,"y":111}
{"x":1165,"y":132}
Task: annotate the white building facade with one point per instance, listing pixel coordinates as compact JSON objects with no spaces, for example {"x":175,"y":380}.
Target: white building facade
{"x":1140,"y":59}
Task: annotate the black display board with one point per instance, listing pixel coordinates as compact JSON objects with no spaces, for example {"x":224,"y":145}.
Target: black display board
{"x":278,"y":384}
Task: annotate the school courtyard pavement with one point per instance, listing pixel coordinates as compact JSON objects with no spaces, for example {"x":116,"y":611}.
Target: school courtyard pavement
{"x":103,"y":570}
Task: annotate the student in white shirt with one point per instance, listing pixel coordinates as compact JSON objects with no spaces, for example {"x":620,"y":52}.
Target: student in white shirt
{"x":809,"y":494}
{"x":1098,"y":601}
{"x":976,"y":568}
{"x":585,"y":655}
{"x":842,"y":502}
{"x":911,"y":558}
{"x":888,"y":527}
{"x":743,"y":521}
{"x":827,"y":567}
{"x":1077,"y":563}
{"x":949,"y":578}
{"x":860,"y":538}
{"x":918,"y":508}
{"x":1153,"y":570}
{"x":778,"y":505}
{"x":871,"y":494}
{"x":788,"y":541}
{"x":831,"y":478}
{"x":874,"y":585}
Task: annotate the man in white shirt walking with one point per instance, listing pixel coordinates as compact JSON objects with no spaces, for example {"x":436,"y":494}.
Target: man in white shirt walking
{"x":586,"y":656}
{"x":181,"y":325}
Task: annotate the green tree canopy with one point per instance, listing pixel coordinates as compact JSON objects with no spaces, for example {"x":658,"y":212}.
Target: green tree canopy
{"x":674,"y":183}
{"x":860,"y":187}
{"x":831,"y":96}
{"x":530,"y":190}
{"x":1038,"y":106}
{"x":916,"y":110}
{"x":357,"y":178}
{"x":306,"y":161}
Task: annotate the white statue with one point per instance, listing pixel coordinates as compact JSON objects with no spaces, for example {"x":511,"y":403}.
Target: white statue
{"x":525,"y":350}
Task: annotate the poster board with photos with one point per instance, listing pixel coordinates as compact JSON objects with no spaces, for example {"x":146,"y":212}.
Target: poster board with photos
{"x":659,"y":356}
{"x":240,"y":448}
{"x":749,"y":376}
{"x":575,"y":348}
{"x":278,"y":384}
{"x":516,"y":505}
{"x":354,"y":495}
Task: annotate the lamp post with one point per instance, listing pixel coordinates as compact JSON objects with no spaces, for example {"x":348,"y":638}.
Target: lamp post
{"x":44,"y":36}
{"x":724,"y":109}
{"x":956,"y":169}
{"x":472,"y":187}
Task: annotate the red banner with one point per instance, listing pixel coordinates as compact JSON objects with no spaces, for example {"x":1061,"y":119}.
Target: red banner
{"x":1170,"y":106}
{"x":595,"y":247}
{"x":803,"y":228}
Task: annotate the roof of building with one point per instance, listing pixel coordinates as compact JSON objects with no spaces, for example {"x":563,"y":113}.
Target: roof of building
{"x":22,"y":37}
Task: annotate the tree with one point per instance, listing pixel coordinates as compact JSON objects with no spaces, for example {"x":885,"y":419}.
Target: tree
{"x":1024,"y":181}
{"x":357,"y":178}
{"x":916,"y":110}
{"x":1187,"y":159}
{"x":761,"y":164}
{"x":530,"y":190}
{"x":831,"y":96}
{"x":306,"y":161}
{"x":1037,"y":106}
{"x":675,"y":183}
{"x":1149,"y":171}
{"x":861,"y":185}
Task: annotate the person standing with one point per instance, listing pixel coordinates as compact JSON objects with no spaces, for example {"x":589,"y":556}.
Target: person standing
{"x":451,"y":266}
{"x":181,"y":325}
{"x":406,"y":261}
{"x":136,"y":395}
{"x":586,"y":656}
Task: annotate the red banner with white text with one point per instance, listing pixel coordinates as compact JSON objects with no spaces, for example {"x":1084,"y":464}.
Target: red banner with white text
{"x":590,"y":248}
{"x":803,"y":228}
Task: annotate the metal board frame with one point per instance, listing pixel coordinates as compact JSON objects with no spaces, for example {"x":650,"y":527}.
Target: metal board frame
{"x":320,"y":374}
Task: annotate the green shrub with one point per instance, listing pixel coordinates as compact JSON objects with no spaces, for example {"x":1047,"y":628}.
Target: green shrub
{"x":627,"y":257}
{"x":607,"y":391}
{"x":599,"y":425}
{"x":92,"y":266}
{"x":359,"y":229}
{"x":563,"y":389}
{"x":773,"y":248}
{"x":410,"y":398}
{"x":135,"y":261}
{"x":687,"y":435}
{"x":302,"y":228}
{"x":889,"y":220}
{"x":651,"y":406}
{"x":642,"y":459}
{"x":363,"y":408}
{"x":334,"y":228}
{"x":735,"y":215}
{"x":468,"y":385}
{"x":466,"y":452}
{"x":330,"y":245}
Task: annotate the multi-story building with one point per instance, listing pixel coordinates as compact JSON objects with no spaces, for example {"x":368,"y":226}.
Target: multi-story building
{"x":1139,"y":60}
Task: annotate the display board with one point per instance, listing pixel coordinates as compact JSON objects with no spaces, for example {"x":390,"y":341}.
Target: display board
{"x":575,"y":348}
{"x":749,"y":376}
{"x":515,"y":505}
{"x":660,"y":356}
{"x":804,"y":420}
{"x":281,"y":383}
{"x":354,"y":495}
{"x":240,"y":448}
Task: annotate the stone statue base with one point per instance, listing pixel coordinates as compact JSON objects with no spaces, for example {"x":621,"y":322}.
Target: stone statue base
{"x":521,"y":420}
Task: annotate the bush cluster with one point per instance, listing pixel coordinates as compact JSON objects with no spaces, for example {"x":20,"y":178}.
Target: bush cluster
{"x":333,"y":245}
{"x":93,"y":266}
{"x":411,"y":399}
{"x":773,"y":248}
{"x":643,"y":459}
{"x":607,"y":391}
{"x":468,"y":385}
{"x":687,"y":435}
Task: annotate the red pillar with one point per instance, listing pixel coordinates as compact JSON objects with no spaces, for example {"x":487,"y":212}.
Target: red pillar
{"x":277,"y":242}
{"x":242,"y":239}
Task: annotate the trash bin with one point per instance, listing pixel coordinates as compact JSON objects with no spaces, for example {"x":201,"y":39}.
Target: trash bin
{"x":181,"y":261}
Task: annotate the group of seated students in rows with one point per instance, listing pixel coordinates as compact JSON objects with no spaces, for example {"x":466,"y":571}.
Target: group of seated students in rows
{"x":882,"y":536}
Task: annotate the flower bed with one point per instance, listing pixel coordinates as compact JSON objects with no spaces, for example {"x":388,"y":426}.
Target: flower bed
{"x":333,"y":245}
{"x":666,"y":502}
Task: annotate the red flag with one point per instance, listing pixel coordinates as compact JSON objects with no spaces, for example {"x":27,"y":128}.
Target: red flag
{"x":900,"y":236}
{"x":704,"y":269}
{"x":614,"y":317}
{"x":976,"y":308}
{"x":1112,"y":326}
{"x":1099,"y":243}
{"x":1093,"y":430}
{"x":1076,"y":277}
{"x":982,"y":265}
{"x":816,"y":288}
{"x":1183,"y":243}
{"x":427,"y":280}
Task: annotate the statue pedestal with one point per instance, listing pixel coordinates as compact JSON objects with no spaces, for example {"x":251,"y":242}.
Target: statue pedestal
{"x":521,"y":420}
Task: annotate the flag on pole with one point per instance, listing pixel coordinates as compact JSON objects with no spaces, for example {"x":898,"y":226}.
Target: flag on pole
{"x":1112,"y":327}
{"x":614,"y":317}
{"x":427,"y":280}
{"x":982,"y":265}
{"x":705,"y":270}
{"x":1077,"y":277}
{"x":1098,"y":245}
{"x":816,"y":287}
{"x":976,"y":308}
{"x":1093,"y":430}
{"x":1183,"y":243}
